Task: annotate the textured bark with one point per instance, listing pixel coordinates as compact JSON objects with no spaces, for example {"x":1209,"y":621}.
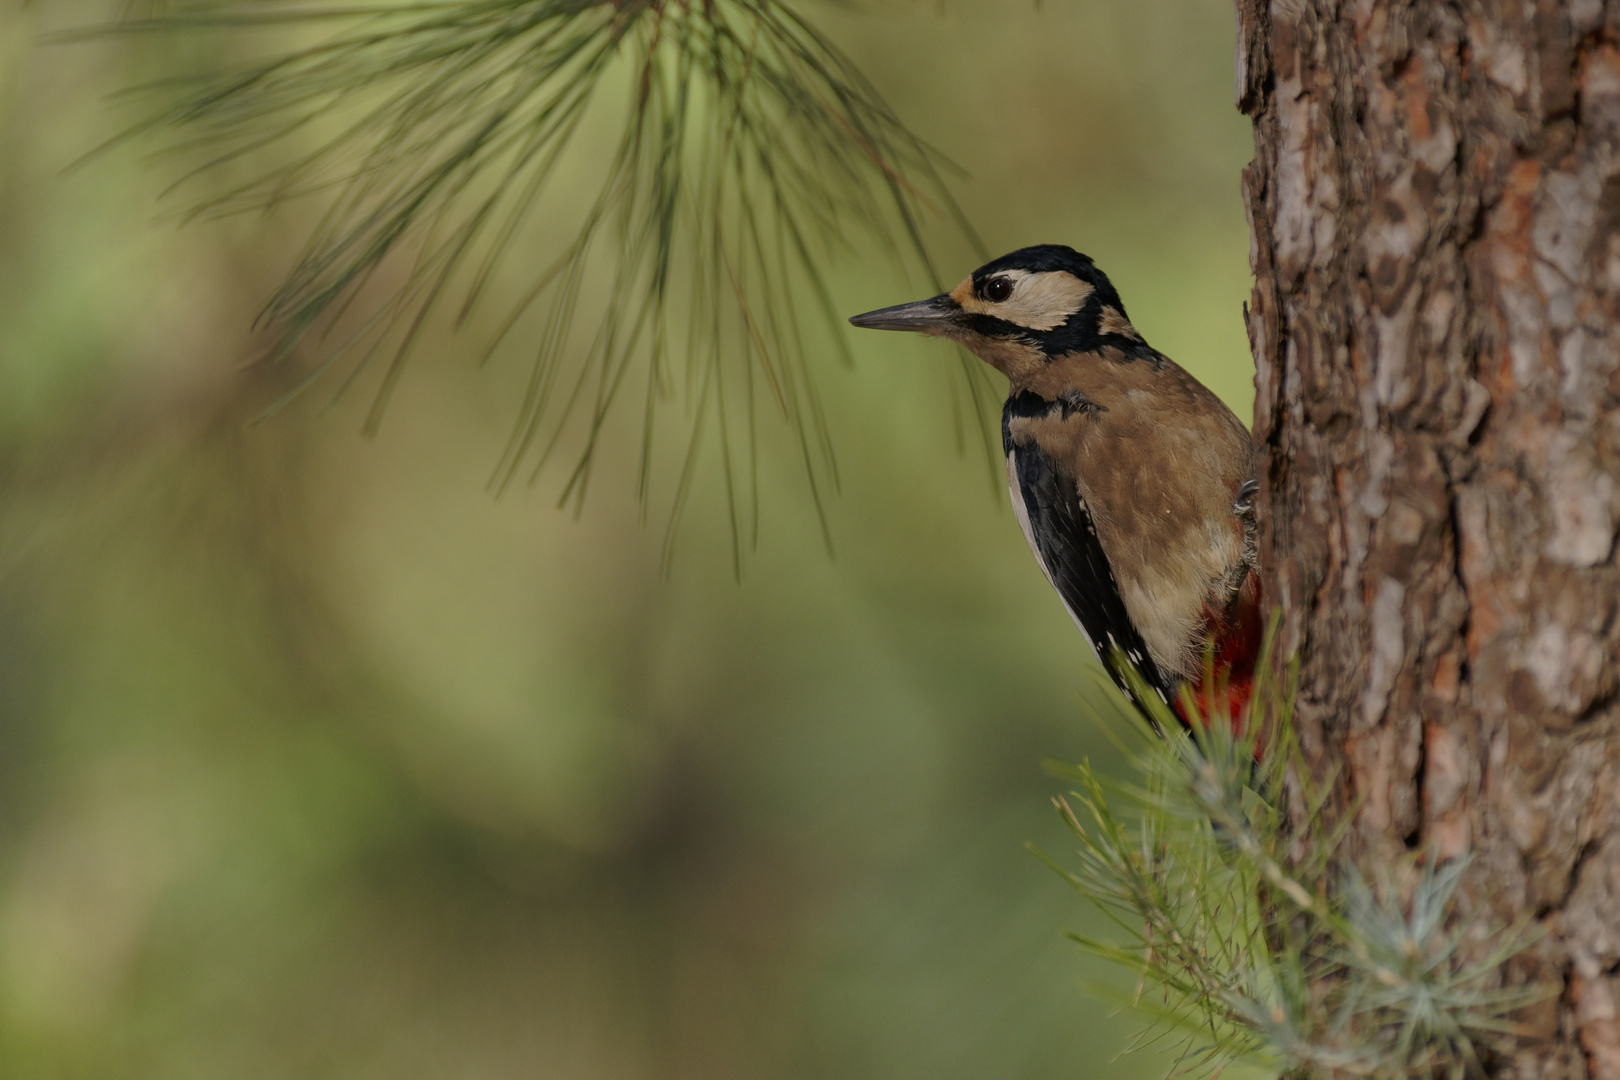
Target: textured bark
{"x":1435,"y":211}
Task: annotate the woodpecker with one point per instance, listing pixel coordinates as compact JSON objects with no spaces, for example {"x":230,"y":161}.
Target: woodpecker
{"x":1134,"y":484}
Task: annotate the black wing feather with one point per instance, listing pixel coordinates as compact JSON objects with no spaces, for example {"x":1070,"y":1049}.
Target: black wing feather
{"x":1066,"y":538}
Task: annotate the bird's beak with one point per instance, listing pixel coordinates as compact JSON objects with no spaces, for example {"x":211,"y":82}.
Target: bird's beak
{"x":934,"y":316}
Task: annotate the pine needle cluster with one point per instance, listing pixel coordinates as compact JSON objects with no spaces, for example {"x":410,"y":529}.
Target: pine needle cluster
{"x":735,"y":147}
{"x":1252,"y":935}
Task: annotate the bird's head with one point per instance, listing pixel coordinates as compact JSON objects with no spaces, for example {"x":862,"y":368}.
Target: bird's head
{"x":1021,"y":310}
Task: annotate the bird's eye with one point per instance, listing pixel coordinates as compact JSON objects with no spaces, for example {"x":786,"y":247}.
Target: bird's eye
{"x":997,"y":289}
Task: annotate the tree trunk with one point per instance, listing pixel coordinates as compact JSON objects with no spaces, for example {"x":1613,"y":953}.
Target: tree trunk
{"x":1435,"y":212}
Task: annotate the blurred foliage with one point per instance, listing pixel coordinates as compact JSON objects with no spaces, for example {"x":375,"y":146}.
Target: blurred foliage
{"x":319,"y":761}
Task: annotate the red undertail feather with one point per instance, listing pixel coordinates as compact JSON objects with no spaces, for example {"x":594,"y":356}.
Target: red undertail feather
{"x":1237,"y":633}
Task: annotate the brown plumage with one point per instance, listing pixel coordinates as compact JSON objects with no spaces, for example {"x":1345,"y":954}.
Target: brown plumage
{"x":1132,"y":481}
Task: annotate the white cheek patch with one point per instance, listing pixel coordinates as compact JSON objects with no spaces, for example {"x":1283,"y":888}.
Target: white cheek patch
{"x":1042,"y":301}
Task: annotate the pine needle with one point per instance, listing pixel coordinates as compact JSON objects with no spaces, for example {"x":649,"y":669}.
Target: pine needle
{"x":748,"y":149}
{"x":1247,"y":928}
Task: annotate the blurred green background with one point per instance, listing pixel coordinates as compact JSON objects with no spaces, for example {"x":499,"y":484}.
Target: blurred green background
{"x":318,"y":761}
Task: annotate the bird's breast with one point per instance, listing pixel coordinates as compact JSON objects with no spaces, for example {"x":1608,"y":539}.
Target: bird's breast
{"x":1161,"y":504}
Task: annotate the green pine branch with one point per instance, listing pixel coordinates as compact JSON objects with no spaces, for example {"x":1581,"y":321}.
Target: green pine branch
{"x":1251,"y":933}
{"x":745,"y":149}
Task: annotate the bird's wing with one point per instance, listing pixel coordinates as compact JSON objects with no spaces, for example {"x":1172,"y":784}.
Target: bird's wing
{"x":1064,"y":539}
